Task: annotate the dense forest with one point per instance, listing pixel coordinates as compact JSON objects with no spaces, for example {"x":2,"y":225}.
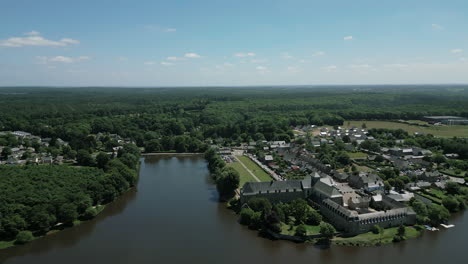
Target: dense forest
{"x":38,"y":198}
{"x":181,"y":119}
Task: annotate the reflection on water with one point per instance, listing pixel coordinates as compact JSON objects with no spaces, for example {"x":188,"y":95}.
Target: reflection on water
{"x":173,"y":216}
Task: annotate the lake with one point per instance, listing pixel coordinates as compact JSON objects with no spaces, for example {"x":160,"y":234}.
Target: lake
{"x":173,"y":216}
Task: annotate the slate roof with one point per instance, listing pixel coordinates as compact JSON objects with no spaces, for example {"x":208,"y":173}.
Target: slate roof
{"x":273,"y":186}
{"x":327,"y":187}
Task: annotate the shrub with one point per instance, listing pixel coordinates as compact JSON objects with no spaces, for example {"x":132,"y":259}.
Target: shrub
{"x":301,"y":231}
{"x":24,"y":237}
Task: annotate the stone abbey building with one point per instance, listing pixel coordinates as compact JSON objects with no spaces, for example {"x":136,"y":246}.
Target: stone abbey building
{"x":352,"y":215}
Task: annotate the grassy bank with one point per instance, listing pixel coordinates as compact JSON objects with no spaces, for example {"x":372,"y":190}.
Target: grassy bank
{"x":291,"y":230}
{"x":371,"y":239}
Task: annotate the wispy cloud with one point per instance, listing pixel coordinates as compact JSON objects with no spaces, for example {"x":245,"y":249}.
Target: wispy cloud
{"x":34,"y":38}
{"x":121,"y":58}
{"x":293,"y":69}
{"x":165,"y":63}
{"x":261,"y":68}
{"x":192,"y":55}
{"x":318,"y":53}
{"x":61,"y":59}
{"x":330,"y":68}
{"x":456,"y":51}
{"x":348,"y":38}
{"x":437,"y":27}
{"x":286,"y":56}
{"x":243,"y":55}
{"x":149,"y":63}
{"x":258,"y":61}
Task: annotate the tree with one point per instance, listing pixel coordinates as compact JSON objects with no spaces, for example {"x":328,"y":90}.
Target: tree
{"x":228,"y":182}
{"x":313,"y":217}
{"x":102,"y":159}
{"x":327,"y":231}
{"x":343,"y":158}
{"x":452,"y":188}
{"x":438,"y":214}
{"x":246,"y":215}
{"x":67,"y":213}
{"x":24,"y":237}
{"x":259,"y":204}
{"x":451,"y":203}
{"x":89,"y":213}
{"x":301,"y":231}
{"x":379,"y":158}
{"x":438,"y":158}
{"x":364,"y":125}
{"x":399,"y":185}
{"x":401,"y":231}
{"x":6,"y":151}
{"x":84,"y":158}
{"x":300,"y":210}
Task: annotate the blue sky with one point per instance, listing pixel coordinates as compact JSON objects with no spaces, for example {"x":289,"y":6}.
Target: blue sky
{"x":196,"y":43}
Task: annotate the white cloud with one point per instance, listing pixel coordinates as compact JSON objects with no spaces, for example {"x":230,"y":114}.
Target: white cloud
{"x":170,"y":30}
{"x":61,"y":59}
{"x":437,"y":27}
{"x":121,"y":58}
{"x":261,"y":68}
{"x":330,"y":68}
{"x":463,"y":59}
{"x":243,"y":55}
{"x":32,"y":33}
{"x":149,"y":63}
{"x":258,"y":61}
{"x":348,"y":38}
{"x":318,"y":53}
{"x":165,"y":63}
{"x":34,"y":39}
{"x":174,"y":59}
{"x":192,"y":55}
{"x":456,"y":51}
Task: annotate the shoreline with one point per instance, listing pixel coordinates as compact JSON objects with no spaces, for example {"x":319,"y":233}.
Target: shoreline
{"x":172,"y":154}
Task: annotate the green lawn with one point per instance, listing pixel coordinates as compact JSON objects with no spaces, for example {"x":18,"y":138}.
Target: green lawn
{"x":244,"y":175}
{"x":357,"y":155}
{"x":370,"y":239}
{"x":259,"y":172}
{"x":440,"y":131}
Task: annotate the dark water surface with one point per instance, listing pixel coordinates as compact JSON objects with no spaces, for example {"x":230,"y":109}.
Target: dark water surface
{"x":173,"y":217}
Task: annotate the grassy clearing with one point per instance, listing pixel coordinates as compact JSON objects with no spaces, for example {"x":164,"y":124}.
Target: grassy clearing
{"x":371,"y":239}
{"x":357,"y":155}
{"x":259,"y":172}
{"x":440,"y":131}
{"x":243,"y":173}
{"x":363,"y":168}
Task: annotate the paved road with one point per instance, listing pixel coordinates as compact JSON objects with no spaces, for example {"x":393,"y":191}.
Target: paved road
{"x":245,"y":167}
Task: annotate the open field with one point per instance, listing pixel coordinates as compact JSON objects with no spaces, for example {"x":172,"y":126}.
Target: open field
{"x":370,"y":239}
{"x":440,"y":131}
{"x":259,"y":172}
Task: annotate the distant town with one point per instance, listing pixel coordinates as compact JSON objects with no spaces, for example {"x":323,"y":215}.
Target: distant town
{"x":358,"y":179}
